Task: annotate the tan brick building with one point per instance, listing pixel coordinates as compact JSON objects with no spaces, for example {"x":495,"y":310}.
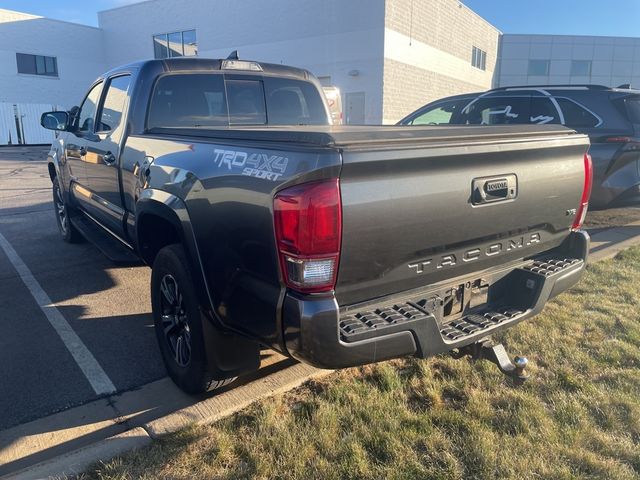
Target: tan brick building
{"x":432,"y":49}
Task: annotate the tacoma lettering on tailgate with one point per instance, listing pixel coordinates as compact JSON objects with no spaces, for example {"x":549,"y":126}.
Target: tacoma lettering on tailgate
{"x":476,"y":253}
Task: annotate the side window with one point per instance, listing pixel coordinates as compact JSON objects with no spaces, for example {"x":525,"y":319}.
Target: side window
{"x":87,"y":112}
{"x":543,"y":111}
{"x":633,"y":109}
{"x":496,"y":111}
{"x":440,"y":114}
{"x":576,"y":116}
{"x":113,"y":105}
{"x":246,"y":102}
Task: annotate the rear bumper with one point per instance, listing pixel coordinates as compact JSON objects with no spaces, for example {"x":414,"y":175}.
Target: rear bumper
{"x":319,"y":333}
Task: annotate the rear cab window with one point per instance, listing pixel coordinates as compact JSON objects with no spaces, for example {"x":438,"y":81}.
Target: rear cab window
{"x":210,"y":100}
{"x":246,"y":102}
{"x":293,"y":102}
{"x":188,"y":101}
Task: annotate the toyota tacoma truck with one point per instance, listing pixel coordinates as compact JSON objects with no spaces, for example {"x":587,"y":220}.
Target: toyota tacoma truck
{"x":266,"y":226}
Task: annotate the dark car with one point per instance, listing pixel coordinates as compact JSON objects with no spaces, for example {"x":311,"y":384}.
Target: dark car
{"x":610,"y":116}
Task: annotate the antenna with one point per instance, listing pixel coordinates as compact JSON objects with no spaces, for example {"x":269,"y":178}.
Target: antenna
{"x":233,"y":55}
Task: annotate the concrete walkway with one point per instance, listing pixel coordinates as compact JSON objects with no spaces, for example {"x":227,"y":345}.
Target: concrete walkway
{"x":608,"y":243}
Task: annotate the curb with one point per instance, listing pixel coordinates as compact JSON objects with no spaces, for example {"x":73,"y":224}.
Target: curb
{"x":76,"y":462}
{"x":201,"y":413}
{"x":606,"y":244}
{"x":220,"y":406}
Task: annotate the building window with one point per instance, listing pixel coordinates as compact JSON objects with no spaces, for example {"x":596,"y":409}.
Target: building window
{"x":175,"y":44}
{"x":538,"y":67}
{"x":37,"y":64}
{"x":581,"y":68}
{"x":479,"y":58}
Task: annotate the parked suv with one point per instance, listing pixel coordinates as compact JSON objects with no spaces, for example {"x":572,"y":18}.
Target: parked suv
{"x":610,"y":116}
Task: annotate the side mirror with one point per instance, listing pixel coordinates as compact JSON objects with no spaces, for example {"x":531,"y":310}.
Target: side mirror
{"x":55,"y":120}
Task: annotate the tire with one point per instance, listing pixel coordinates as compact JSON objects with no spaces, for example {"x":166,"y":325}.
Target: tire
{"x":178,"y":323}
{"x":64,"y":213}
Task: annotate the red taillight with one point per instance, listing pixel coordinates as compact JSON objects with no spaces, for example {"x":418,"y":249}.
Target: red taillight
{"x":308,"y":222}
{"x":586,"y":193}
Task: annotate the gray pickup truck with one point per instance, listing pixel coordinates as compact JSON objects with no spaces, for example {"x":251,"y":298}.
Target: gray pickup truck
{"x":339,"y":246}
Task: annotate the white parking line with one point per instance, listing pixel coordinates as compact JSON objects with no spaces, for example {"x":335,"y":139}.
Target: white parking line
{"x":88,"y":364}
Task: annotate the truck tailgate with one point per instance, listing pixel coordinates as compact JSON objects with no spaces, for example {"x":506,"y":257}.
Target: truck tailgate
{"x":424,"y":205}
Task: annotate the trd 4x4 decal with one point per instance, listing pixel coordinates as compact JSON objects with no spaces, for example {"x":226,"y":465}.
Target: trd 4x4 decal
{"x":259,"y":165}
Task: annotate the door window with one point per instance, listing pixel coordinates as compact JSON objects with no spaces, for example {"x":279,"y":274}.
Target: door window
{"x":87,"y":112}
{"x":543,"y":111}
{"x":496,"y":111}
{"x":440,"y":114}
{"x":113,"y":105}
{"x":576,"y":116}
{"x":633,"y":109}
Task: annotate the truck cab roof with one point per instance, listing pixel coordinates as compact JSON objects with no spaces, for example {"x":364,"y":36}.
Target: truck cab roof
{"x":199,"y":64}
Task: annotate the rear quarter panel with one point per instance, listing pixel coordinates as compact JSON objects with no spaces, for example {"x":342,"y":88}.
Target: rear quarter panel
{"x":228,"y":190}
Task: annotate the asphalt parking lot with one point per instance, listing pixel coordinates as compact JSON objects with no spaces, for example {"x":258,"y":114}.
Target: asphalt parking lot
{"x":107,"y":307}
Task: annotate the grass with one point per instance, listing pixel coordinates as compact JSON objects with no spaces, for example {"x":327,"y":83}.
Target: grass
{"x":577,"y":417}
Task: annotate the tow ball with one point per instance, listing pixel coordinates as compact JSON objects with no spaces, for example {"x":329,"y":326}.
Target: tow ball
{"x":495,"y":352}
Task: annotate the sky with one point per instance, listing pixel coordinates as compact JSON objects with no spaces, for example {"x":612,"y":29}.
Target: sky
{"x":569,"y":17}
{"x":77,"y":11}
{"x":619,"y":18}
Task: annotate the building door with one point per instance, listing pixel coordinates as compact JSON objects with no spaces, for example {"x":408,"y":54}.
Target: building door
{"x":354,"y":103}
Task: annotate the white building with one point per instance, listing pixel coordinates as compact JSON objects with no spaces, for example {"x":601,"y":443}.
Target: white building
{"x":44,"y":63}
{"x":388,"y":57}
{"x":566,"y":59}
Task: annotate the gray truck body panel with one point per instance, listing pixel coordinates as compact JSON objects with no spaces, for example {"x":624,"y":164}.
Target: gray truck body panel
{"x":411,"y":218}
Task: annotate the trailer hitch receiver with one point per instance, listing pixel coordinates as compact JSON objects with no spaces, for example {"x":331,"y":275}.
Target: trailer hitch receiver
{"x":486,"y":349}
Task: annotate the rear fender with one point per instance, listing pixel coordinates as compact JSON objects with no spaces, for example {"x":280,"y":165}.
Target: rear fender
{"x":228,"y":353}
{"x":173,"y":210}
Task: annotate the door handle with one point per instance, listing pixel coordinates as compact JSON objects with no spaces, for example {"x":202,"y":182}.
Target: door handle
{"x":83,"y":151}
{"x":109,"y":158}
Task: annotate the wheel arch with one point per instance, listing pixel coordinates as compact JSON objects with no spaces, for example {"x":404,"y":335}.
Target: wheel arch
{"x":53,"y":172}
{"x":156,"y":227}
{"x":228,"y":353}
{"x":160,"y":220}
